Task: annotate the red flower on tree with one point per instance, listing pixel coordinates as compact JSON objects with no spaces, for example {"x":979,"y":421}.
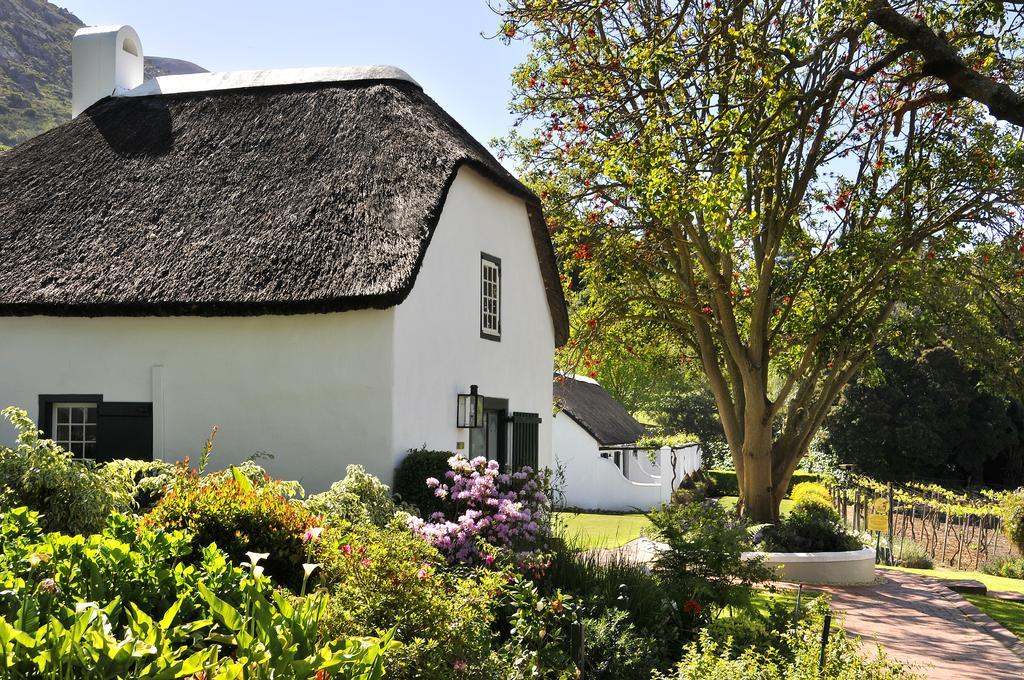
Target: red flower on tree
{"x":692,"y":607}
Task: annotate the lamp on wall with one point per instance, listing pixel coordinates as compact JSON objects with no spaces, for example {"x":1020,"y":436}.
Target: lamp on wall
{"x":470,"y":409}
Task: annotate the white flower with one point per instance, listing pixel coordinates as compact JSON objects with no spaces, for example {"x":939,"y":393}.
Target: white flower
{"x":309,"y":569}
{"x":257,"y":571}
{"x":255,"y":557}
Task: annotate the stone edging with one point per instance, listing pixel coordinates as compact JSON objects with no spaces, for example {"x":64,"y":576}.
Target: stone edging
{"x":975,"y":615}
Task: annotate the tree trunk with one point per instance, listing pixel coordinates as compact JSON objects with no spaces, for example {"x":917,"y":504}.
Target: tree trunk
{"x":757,"y":488}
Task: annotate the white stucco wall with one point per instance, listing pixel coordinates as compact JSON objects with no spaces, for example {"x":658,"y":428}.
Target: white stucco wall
{"x":438,"y":349}
{"x":313,"y":390}
{"x":592,"y":482}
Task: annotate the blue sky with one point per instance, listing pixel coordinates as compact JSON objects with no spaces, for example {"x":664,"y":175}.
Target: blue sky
{"x":437,"y":41}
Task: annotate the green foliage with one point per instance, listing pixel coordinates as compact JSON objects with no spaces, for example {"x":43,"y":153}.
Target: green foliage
{"x":811,"y":493}
{"x":239,"y":516}
{"x":126,"y":604}
{"x":724,"y":482}
{"x":1007,"y":567}
{"x":145,"y":480}
{"x":619,"y":649}
{"x":925,"y":416}
{"x":386,"y":578}
{"x":710,"y":659}
{"x":702,"y":566}
{"x":411,"y":477}
{"x":359,"y":497}
{"x":1013,"y":518}
{"x":808,"y":528}
{"x":538,"y":644}
{"x":657,"y":441}
{"x":70,"y":495}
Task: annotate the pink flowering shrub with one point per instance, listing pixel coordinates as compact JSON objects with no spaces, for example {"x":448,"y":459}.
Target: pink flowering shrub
{"x":487,"y":512}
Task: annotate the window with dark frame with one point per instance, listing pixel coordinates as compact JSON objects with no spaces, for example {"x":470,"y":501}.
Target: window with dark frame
{"x":74,"y":428}
{"x":490,"y":297}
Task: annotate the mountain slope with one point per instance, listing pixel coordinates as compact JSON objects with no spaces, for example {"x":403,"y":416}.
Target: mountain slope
{"x":35,"y":67}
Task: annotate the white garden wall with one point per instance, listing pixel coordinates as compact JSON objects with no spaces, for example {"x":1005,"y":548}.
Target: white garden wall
{"x":438,"y":349}
{"x":313,"y":390}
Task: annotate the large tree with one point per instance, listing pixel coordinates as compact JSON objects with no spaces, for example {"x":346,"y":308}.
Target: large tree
{"x":761,"y":180}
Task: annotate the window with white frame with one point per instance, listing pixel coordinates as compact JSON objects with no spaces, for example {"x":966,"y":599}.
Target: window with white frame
{"x":74,"y":427}
{"x":490,"y":297}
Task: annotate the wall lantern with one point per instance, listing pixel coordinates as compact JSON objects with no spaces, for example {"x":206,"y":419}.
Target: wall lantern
{"x":470,"y":410}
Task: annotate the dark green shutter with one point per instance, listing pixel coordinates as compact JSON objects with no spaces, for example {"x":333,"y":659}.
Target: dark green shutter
{"x":525,"y":439}
{"x":124,"y":430}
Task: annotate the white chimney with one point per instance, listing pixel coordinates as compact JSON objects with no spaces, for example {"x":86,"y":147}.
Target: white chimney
{"x":105,"y":60}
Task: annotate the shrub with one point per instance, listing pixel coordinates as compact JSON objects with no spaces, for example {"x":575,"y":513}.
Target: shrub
{"x":359,"y":497}
{"x":811,"y":493}
{"x":617,"y":649}
{"x":70,"y":495}
{"x":121,"y":605}
{"x":708,"y":659}
{"x":1007,"y":567}
{"x":1013,"y":518}
{"x":386,"y":578}
{"x":411,"y":475}
{"x":808,"y":528}
{"x":145,"y":480}
{"x":702,"y":566}
{"x":486,"y":513}
{"x":238,"y":516}
{"x":538,"y":643}
{"x":724,"y":482}
{"x":913,"y":556}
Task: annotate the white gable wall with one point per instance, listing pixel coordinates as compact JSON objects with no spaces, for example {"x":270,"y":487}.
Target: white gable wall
{"x":438,"y":349}
{"x":311,"y":389}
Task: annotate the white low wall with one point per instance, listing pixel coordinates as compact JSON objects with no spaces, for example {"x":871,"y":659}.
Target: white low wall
{"x":850,"y":567}
{"x":595,"y":483}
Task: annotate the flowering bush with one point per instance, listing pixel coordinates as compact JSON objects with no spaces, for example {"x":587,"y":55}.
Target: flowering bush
{"x":486,"y":511}
{"x":384,"y":579}
{"x":240,"y":517}
{"x":359,"y":497}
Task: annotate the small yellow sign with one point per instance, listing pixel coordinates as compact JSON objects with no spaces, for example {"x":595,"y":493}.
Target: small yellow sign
{"x":878,"y":517}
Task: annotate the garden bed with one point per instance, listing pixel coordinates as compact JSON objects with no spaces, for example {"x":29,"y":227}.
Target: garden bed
{"x":848,"y":567}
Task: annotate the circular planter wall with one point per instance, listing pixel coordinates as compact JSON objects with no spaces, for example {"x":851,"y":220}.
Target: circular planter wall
{"x":850,"y":567}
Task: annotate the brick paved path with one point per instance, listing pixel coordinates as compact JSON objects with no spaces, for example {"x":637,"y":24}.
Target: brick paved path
{"x":919,"y":621}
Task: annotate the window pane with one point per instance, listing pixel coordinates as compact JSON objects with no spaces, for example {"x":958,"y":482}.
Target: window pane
{"x":63,"y":433}
{"x":89,"y":450}
{"x":90,"y":433}
{"x":77,"y":433}
{"x":78,"y":415}
{"x":63,"y":415}
{"x":90,"y":414}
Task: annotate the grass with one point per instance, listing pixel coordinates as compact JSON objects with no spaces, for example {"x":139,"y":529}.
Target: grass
{"x":997,"y":583}
{"x":589,"y":530}
{"x":1009,"y":614}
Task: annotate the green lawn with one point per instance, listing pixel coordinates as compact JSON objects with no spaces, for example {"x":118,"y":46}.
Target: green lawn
{"x":592,"y":530}
{"x":997,"y":583}
{"x":605,"y":530}
{"x":1010,"y":614}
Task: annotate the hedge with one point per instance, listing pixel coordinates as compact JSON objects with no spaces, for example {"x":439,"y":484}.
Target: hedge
{"x":724,"y":482}
{"x":411,"y":475}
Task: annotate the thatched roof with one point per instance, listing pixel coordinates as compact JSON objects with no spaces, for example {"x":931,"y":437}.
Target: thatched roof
{"x":316,"y":197}
{"x":596,"y":411}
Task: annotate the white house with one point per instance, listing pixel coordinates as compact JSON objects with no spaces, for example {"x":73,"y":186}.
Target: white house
{"x":595,"y":445}
{"x":318,"y":261}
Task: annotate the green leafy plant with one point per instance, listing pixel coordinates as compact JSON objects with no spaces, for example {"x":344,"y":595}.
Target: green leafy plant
{"x":913,"y":555}
{"x":1007,"y":567}
{"x":359,"y":497}
{"x":808,"y":528}
{"x":70,"y":495}
{"x":702,"y":566}
{"x":725,"y":483}
{"x":538,"y":644}
{"x":240,"y":516}
{"x":386,"y":578}
{"x":618,"y":648}
{"x":145,"y":480}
